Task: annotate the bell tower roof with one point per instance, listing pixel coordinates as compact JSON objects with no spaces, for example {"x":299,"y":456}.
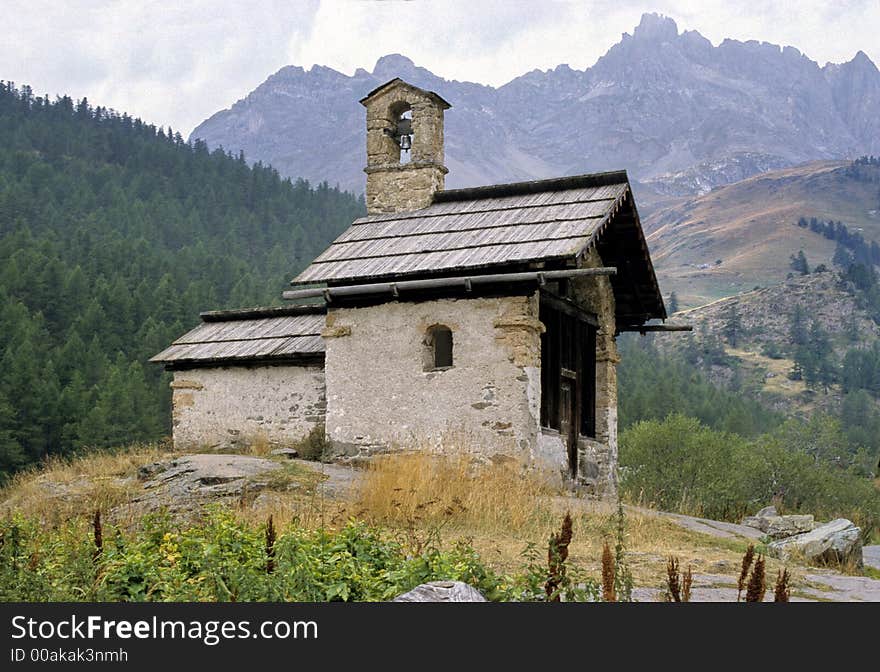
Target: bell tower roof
{"x":397,"y":82}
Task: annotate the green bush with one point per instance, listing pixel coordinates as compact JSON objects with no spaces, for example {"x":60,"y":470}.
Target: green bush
{"x":679,"y":464}
{"x":224,"y":559}
{"x":314,"y":445}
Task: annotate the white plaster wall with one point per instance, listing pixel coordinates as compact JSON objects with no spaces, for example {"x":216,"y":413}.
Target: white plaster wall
{"x":379,"y":397}
{"x":231,"y":406}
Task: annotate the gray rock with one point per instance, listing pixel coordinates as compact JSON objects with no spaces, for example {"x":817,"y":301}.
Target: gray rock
{"x":442,"y":591}
{"x":755,"y":522}
{"x":289,"y":453}
{"x":147,"y":471}
{"x":181,"y":485}
{"x":775,"y":526}
{"x":780,"y":527}
{"x":839,"y":541}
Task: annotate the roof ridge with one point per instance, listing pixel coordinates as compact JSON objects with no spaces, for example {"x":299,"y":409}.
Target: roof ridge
{"x":532,"y":186}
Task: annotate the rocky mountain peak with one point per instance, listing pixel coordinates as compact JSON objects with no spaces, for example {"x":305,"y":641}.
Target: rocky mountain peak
{"x":861,"y":61}
{"x":392,"y":63}
{"x":398,"y":65}
{"x":656,"y":28}
{"x":676,"y":111}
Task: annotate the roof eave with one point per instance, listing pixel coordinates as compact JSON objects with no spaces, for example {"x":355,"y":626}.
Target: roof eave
{"x":397,"y":81}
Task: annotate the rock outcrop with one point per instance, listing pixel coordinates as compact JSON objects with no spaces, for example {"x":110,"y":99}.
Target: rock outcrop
{"x":779,"y":527}
{"x":182,"y":484}
{"x":442,"y":591}
{"x":837,"y":542}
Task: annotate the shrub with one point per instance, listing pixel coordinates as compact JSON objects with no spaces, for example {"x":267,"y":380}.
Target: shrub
{"x":678,"y":464}
{"x":223,"y":559}
{"x":314,"y":446}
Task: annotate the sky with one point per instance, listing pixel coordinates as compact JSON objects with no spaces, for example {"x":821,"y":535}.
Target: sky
{"x":177,"y":62}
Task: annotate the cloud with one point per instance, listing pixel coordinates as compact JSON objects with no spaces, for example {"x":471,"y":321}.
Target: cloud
{"x":178,"y":63}
{"x":168,"y":62}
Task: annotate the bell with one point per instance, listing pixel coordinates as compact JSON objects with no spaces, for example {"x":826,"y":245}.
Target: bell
{"x":404,"y":126}
{"x":405,"y":143}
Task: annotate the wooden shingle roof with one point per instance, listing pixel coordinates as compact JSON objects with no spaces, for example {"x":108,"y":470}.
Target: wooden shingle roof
{"x":506,"y":226}
{"x":471,"y":229}
{"x":260,"y":334}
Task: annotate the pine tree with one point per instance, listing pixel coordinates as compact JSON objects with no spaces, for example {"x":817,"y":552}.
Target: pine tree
{"x":799,"y":263}
{"x":113,"y":237}
{"x":11,"y":454}
{"x":732,"y":329}
{"x":798,"y":328}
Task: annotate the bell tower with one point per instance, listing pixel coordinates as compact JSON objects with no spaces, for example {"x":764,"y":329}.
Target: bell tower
{"x":404,"y":147}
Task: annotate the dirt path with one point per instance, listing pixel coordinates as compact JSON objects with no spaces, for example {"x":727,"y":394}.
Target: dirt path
{"x":822,"y":585}
{"x":340,"y":479}
{"x":714,"y":528}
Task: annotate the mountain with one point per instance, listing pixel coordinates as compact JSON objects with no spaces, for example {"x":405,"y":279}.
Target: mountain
{"x":742,"y":235}
{"x":113,"y":237}
{"x":805,"y":346}
{"x":680,"y":114}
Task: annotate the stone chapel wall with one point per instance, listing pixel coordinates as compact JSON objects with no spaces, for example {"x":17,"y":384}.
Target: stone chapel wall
{"x":381,"y":397}
{"x":230,"y":407}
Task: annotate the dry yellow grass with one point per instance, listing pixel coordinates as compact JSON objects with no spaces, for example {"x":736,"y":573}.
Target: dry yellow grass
{"x":779,"y":383}
{"x":501,"y":508}
{"x":62,"y":488}
{"x":431,"y":489}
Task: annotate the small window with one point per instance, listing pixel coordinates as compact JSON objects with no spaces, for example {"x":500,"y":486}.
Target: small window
{"x":438,"y":348}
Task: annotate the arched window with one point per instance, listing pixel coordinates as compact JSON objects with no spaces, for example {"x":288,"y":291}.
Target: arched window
{"x":438,"y":348}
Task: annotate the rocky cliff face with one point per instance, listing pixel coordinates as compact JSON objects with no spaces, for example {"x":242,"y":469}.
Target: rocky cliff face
{"x":679,"y":113}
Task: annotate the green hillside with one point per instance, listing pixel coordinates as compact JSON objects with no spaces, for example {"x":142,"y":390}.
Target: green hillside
{"x":113,"y":236}
{"x":743,"y":235}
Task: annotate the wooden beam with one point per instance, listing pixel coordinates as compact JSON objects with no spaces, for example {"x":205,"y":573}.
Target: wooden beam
{"x":643,"y":329}
{"x":568,"y":307}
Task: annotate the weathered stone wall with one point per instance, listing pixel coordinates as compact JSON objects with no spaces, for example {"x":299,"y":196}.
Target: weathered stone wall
{"x":402,"y":188}
{"x":396,"y":187}
{"x":232,"y":406}
{"x":597,"y":459}
{"x":380,"y":397}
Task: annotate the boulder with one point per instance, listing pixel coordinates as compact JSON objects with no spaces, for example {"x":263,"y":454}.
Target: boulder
{"x":442,"y":591}
{"x":289,"y":453}
{"x":780,"y":527}
{"x":183,"y":484}
{"x":755,"y":522}
{"x":837,"y":542}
